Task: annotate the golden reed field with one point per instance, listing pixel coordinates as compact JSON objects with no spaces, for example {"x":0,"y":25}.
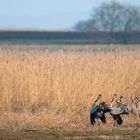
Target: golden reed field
{"x":53,"y":91}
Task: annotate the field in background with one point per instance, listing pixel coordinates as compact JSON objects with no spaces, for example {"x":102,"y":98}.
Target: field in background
{"x":53,"y":91}
{"x":71,"y":48}
{"x":68,"y":37}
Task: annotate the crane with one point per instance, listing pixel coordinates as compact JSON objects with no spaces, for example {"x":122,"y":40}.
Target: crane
{"x":117,"y":110}
{"x":98,"y":111}
{"x":135,"y":106}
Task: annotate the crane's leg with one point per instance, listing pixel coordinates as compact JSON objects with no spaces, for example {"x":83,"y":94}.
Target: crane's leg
{"x":103,"y":127}
{"x":91,"y":128}
{"x":114,"y":124}
{"x":98,"y":125}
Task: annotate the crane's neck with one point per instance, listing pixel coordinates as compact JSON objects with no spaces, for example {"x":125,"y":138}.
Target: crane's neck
{"x":132,"y":100}
{"x":114,"y":99}
{"x":97,"y":99}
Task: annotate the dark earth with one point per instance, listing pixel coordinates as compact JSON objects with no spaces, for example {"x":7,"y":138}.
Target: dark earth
{"x":95,"y":135}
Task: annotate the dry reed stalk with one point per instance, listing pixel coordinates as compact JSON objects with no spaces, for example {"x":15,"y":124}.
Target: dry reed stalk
{"x":55,"y":90}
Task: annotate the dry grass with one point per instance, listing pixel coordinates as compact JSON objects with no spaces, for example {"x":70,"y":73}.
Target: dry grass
{"x":54,"y":91}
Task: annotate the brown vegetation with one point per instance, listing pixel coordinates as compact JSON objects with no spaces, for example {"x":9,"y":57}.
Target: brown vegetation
{"x":54,"y":91}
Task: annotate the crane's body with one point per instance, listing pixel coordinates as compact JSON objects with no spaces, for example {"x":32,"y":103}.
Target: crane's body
{"x":118,"y":109}
{"x":97,"y":113}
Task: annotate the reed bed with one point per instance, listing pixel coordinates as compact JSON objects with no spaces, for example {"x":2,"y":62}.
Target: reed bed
{"x":54,"y":91}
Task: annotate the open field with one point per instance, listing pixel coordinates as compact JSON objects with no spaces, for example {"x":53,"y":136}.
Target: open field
{"x":71,"y":48}
{"x":52,"y":91}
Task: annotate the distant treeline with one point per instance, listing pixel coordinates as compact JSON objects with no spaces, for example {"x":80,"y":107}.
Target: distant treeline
{"x":69,"y":37}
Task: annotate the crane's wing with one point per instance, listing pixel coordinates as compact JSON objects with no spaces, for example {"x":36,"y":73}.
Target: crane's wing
{"x":102,"y":117}
{"x":93,"y":112}
{"x":93,"y":109}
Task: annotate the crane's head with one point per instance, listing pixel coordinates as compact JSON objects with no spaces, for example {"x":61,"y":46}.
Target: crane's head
{"x":137,"y":99}
{"x":97,"y":99}
{"x":99,"y":95}
{"x":121,"y":97}
{"x":132,"y":97}
{"x":114,"y":97}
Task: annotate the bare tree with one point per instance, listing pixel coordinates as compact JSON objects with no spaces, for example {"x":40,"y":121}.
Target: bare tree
{"x":132,"y":19}
{"x":113,"y":17}
{"x":108,"y":16}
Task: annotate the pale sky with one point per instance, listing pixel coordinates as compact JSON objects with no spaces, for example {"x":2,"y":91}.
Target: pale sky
{"x":47,"y":14}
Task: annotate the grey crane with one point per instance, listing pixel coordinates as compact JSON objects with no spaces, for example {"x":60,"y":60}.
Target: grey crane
{"x":135,"y":106}
{"x":117,"y":110}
